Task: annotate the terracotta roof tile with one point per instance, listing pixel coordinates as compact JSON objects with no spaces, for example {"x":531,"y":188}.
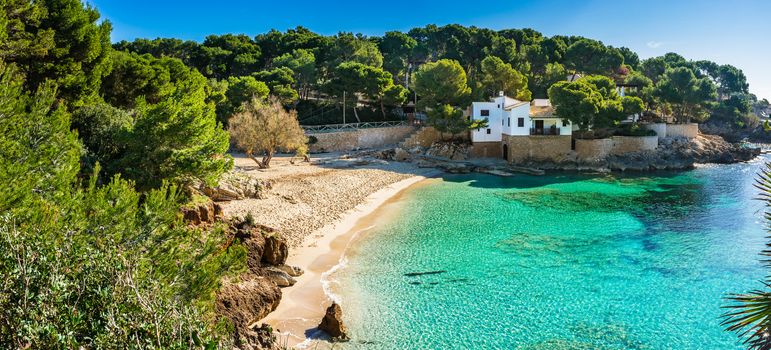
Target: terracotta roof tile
{"x":542,"y":111}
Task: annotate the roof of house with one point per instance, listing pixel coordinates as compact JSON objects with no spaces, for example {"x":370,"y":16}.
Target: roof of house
{"x":542,"y":112}
{"x":517,"y":104}
{"x":509,"y":103}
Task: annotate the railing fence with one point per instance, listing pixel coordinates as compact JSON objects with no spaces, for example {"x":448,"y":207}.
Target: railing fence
{"x":352,"y":126}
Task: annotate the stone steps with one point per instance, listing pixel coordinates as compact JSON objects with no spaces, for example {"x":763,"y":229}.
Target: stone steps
{"x":411,"y":140}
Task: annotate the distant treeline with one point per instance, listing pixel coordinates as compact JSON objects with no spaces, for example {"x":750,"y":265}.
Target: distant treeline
{"x":298,"y":65}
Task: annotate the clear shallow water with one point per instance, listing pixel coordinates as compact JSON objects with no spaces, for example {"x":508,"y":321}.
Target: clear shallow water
{"x":558,"y":262}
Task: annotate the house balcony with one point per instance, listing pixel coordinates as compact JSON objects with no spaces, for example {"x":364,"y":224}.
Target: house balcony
{"x":545,"y":131}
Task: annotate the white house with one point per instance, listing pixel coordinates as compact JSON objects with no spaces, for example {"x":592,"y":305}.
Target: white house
{"x":507,"y":116}
{"x":518,"y":126}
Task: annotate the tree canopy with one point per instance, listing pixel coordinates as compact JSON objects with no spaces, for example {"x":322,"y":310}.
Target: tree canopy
{"x":686,"y":93}
{"x":500,"y":76}
{"x":592,"y":102}
{"x":57,"y":40}
{"x":442,"y":83}
{"x":264,"y":128}
{"x":592,"y":57}
{"x":539,"y":60}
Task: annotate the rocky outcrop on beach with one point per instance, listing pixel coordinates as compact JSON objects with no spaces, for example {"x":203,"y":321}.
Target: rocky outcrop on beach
{"x":236,"y":185}
{"x":276,"y":251}
{"x":332,"y":323}
{"x":206,"y":213}
{"x":682,"y":153}
{"x":257,"y":292}
{"x":449,"y":150}
{"x":244,"y":303}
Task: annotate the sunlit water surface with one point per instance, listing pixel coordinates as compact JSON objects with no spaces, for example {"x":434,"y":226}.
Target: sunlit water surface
{"x":557,"y":262}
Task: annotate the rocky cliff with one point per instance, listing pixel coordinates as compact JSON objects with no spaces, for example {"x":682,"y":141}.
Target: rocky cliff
{"x":257,"y":292}
{"x":254,"y":294}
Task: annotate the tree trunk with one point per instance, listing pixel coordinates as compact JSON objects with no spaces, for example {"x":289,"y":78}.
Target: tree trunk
{"x":382,"y":109}
{"x":261,"y":164}
{"x":356,"y":114}
{"x":266,"y":160}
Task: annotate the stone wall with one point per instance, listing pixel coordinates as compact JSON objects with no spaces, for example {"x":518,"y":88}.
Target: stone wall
{"x":486,"y":150}
{"x":537,"y":148}
{"x":359,"y":139}
{"x":426,"y":136}
{"x":335,"y":141}
{"x":673,"y":130}
{"x":683,"y":130}
{"x":659,"y":128}
{"x":593,"y":150}
{"x":627,"y":144}
{"x":597,"y":149}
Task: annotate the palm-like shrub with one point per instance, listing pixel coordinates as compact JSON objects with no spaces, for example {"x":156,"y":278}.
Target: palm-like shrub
{"x":749,"y":314}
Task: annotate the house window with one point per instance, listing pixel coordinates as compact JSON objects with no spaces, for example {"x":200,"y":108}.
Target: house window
{"x":520,"y":122}
{"x":564,"y":122}
{"x":509,"y":121}
{"x":485,"y":112}
{"x":488,"y":131}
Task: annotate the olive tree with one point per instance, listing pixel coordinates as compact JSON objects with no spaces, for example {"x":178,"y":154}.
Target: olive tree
{"x":265,"y":128}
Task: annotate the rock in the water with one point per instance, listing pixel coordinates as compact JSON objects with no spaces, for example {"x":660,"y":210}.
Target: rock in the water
{"x":293,"y":271}
{"x":279,"y":277}
{"x":332,"y":323}
{"x":276,"y":251}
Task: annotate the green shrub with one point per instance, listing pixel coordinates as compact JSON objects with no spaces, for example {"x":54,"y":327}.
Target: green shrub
{"x":88,"y":266}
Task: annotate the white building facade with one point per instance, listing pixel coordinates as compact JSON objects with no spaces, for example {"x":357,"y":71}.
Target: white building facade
{"x":519,"y":130}
{"x":507,"y":116}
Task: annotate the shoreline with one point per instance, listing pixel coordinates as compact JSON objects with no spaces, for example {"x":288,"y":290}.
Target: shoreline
{"x":303,"y":305}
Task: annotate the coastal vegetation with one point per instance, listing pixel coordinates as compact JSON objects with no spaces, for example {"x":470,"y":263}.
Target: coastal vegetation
{"x":102,"y":146}
{"x":95,"y":253}
{"x":592,"y":102}
{"x":265,"y":128}
{"x":372,"y":76}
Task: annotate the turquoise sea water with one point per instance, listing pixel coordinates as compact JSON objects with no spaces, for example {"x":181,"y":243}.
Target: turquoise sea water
{"x":557,"y":262}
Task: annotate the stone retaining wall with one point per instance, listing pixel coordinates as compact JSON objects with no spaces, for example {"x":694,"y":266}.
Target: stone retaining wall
{"x":348,"y":140}
{"x":683,"y":130}
{"x":486,"y":150}
{"x":659,"y":128}
{"x":673,"y":130}
{"x":538,"y":148}
{"x":593,"y":150}
{"x":426,"y":136}
{"x":597,"y":149}
{"x":627,"y":144}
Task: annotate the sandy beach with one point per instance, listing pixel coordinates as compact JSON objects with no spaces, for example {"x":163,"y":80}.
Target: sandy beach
{"x":320,"y":208}
{"x":302,"y":305}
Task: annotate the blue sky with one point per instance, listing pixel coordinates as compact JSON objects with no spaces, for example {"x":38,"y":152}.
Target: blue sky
{"x":734,"y":32}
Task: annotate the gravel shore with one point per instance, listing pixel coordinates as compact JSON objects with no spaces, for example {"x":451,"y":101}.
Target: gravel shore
{"x":307,"y":196}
